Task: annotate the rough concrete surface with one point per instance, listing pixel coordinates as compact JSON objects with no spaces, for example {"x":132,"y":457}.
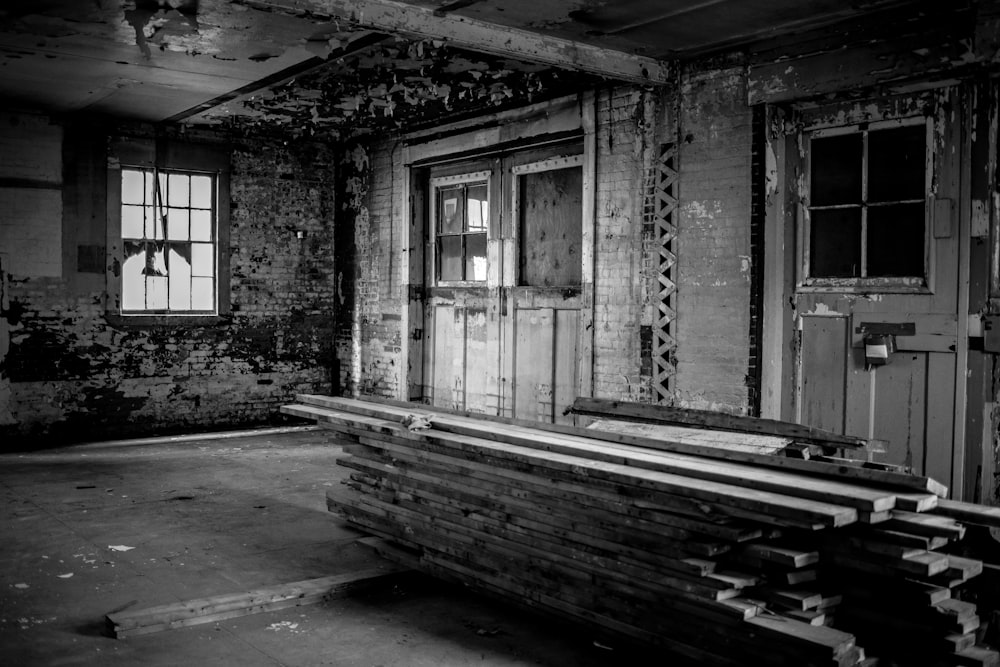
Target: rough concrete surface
{"x":211,"y":515}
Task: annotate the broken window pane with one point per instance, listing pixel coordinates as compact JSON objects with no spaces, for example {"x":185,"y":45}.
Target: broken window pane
{"x":475,"y":257}
{"x":897,"y":164}
{"x":201,"y":192}
{"x":133,"y":186}
{"x":450,"y":257}
{"x":133,"y":223}
{"x":835,"y":170}
{"x":451,"y":211}
{"x":201,"y":225}
{"x":180,"y":190}
{"x":177,"y":224}
{"x":180,"y":278}
{"x":203,"y":294}
{"x":133,"y":282}
{"x":202,"y":259}
{"x":478,"y":208}
{"x":164,"y":272}
{"x":551,"y":222}
{"x":896,"y":240}
{"x":835,"y":243}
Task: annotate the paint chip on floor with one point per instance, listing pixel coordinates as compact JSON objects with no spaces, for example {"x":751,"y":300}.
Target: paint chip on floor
{"x":120,"y":547}
{"x":21,"y":586}
{"x":65,"y":576}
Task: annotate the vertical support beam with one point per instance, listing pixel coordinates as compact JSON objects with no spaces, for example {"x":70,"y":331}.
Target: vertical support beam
{"x":409,"y":359}
{"x":964,"y":136}
{"x":777,"y":327}
{"x":585,"y":353}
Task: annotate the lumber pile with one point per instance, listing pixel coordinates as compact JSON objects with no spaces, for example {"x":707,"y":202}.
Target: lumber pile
{"x":721,"y":558}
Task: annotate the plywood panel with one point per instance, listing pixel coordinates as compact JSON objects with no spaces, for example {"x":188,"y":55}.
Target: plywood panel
{"x":550,"y":209}
{"x":823,"y":372}
{"x":533,"y":364}
{"x":940,"y":416}
{"x":567,"y":323}
{"x":900,"y":397}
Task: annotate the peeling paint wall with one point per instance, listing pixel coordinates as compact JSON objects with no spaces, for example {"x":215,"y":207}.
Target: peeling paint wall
{"x":714,"y":268}
{"x":72,"y":375}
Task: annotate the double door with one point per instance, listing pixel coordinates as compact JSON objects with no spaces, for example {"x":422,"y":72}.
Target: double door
{"x":507,"y":300}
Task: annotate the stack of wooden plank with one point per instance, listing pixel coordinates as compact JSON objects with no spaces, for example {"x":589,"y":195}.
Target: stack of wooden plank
{"x":724,"y":558}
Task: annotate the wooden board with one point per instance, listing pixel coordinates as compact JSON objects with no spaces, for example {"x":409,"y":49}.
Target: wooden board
{"x":220,"y":607}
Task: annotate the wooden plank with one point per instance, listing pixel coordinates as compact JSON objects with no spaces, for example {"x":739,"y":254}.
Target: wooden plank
{"x":660,"y":414}
{"x":925,"y":524}
{"x":979,"y":515}
{"x":727,"y":440}
{"x":575,"y":467}
{"x":216,"y":608}
{"x":887,"y":479}
{"x":856,"y":496}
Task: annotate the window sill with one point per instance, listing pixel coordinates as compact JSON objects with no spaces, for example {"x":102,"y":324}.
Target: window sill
{"x":864,"y":286}
{"x":165,"y":321}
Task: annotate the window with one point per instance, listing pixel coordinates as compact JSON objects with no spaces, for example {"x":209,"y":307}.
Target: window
{"x":550,"y":218}
{"x":866,"y":205}
{"x":461,"y":213}
{"x":168,"y":221}
{"x":168,"y":232}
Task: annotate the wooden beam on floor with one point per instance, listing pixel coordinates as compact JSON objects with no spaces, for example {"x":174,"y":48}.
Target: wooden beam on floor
{"x":480,"y":36}
{"x":232,"y":605}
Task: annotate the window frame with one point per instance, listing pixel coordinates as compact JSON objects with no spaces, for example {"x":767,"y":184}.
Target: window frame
{"x":865,"y":284}
{"x":484,"y":176}
{"x":168,"y":156}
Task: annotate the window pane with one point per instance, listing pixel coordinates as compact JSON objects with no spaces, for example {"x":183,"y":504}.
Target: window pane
{"x":180,"y":277}
{"x":161,"y":198}
{"x":177,"y":224}
{"x":201,"y":192}
{"x":156,"y":259}
{"x":475,"y":257}
{"x":896,"y":240}
{"x":450,"y":211}
{"x":478,"y":208}
{"x":835,"y":170}
{"x":897,"y":164}
{"x":133,"y":224}
{"x":201,"y":225}
{"x":156,"y":292}
{"x":835,"y":243}
{"x":133,"y":186}
{"x":551,"y":227}
{"x":449,"y":257}
{"x":133,"y":283}
{"x":180,"y":190}
{"x":202,"y":259}
{"x":151,"y":223}
{"x":203,"y":294}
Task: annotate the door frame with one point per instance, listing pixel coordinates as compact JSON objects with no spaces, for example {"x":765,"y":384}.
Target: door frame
{"x":550,"y":121}
{"x":779,"y":347}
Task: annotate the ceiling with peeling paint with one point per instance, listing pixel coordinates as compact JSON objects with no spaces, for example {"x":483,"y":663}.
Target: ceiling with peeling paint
{"x":316,"y":66}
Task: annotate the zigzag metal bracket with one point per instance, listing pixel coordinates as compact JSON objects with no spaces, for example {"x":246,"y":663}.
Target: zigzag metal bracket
{"x":660,"y":210}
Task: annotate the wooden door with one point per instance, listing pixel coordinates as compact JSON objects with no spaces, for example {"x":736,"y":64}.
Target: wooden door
{"x":544,"y":300}
{"x":510,"y":341}
{"x":878,"y":249}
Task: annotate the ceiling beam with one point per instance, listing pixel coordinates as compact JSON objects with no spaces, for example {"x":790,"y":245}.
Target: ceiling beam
{"x":476,"y":35}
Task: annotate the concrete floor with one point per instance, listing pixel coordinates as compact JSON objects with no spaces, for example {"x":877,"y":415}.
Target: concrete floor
{"x":206,"y":515}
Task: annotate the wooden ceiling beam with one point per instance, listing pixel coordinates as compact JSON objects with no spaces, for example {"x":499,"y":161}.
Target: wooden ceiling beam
{"x":475,"y":35}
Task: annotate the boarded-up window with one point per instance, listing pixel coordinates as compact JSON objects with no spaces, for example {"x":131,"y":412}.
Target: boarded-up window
{"x":866,"y":202}
{"x":168,"y":231}
{"x":550,"y":216}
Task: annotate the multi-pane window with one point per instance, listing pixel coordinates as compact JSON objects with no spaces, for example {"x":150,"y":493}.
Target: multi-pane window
{"x":168,"y":232}
{"x":867,"y":202}
{"x":461,"y":212}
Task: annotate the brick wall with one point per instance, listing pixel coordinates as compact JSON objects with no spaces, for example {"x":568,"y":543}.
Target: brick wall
{"x":621,"y":265}
{"x":714,"y":267}
{"x":69,"y":374}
